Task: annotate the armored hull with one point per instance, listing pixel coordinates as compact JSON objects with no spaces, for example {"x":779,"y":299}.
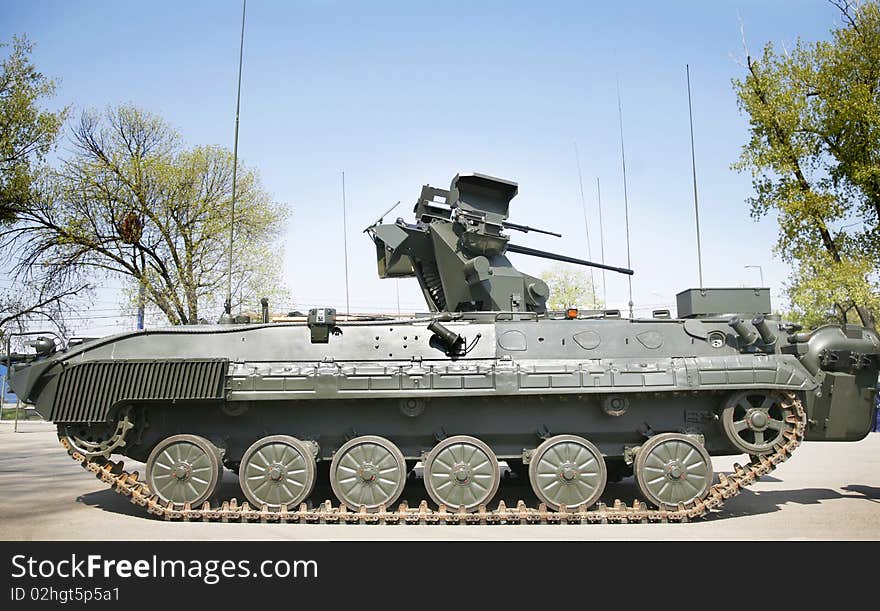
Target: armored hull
{"x":568,"y":400}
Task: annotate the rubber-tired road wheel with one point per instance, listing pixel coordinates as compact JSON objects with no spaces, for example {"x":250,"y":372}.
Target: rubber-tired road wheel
{"x":462,"y":471}
{"x":368,"y":471}
{"x":568,"y":470}
{"x":277,"y":470}
{"x":184,"y":469}
{"x":673,"y":469}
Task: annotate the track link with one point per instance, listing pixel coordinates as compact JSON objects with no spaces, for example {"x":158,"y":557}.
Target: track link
{"x":728,"y":486}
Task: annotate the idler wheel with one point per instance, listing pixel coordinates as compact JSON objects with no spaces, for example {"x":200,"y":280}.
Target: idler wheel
{"x":673,"y":469}
{"x":568,"y":470}
{"x":368,"y":472}
{"x":98,"y":439}
{"x":184,"y":469}
{"x":462,"y":471}
{"x":754,"y":421}
{"x":277,"y":470}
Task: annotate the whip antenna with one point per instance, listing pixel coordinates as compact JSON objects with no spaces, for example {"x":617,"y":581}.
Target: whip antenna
{"x":601,"y":243}
{"x":625,"y":201}
{"x":586,"y":225}
{"x":694,"y":165}
{"x":228,"y":305}
{"x":345,"y":246}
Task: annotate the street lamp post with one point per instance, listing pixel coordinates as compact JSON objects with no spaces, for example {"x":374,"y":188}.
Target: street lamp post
{"x":760,"y":271}
{"x":2,"y":391}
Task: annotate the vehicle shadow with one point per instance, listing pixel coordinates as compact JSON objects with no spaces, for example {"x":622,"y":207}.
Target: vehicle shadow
{"x":751,"y":502}
{"x":113,"y":502}
{"x":872,"y":493}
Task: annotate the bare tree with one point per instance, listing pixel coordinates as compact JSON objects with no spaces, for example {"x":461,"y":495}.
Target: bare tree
{"x":132,"y":201}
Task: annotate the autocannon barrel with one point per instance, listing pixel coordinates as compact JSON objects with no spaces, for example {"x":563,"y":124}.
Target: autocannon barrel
{"x":525,"y":250}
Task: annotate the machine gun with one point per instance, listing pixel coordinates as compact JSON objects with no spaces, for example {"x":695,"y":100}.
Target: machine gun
{"x":456,"y":249}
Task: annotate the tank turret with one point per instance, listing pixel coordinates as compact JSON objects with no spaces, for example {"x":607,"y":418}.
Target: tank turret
{"x":457,"y":249}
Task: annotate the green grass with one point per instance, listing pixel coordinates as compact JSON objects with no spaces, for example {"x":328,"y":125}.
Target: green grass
{"x":8,"y":413}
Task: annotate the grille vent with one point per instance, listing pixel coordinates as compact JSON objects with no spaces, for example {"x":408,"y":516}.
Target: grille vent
{"x":87,"y":391}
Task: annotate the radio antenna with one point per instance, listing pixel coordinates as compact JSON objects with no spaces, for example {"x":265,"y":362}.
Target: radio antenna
{"x":586,"y":225}
{"x":382,"y":218}
{"x":228,"y":304}
{"x":625,"y":201}
{"x":694,"y":165}
{"x":345,"y":246}
{"x":601,"y":243}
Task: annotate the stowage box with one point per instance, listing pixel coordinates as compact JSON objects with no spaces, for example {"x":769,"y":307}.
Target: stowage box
{"x":708,"y":302}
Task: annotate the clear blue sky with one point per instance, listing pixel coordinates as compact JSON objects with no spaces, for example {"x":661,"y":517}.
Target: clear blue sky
{"x":399,"y":94}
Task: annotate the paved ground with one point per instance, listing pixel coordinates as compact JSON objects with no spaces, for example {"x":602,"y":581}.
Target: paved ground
{"x":826,"y":491}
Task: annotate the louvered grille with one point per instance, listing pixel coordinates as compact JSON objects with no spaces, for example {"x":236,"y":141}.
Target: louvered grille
{"x":87,"y":391}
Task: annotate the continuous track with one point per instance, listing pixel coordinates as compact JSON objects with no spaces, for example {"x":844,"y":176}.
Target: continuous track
{"x":728,"y":486}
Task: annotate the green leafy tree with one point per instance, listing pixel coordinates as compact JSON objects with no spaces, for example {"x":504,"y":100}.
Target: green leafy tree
{"x":133,"y":201}
{"x":570,"y":288}
{"x":27,"y":133}
{"x":814,"y":157}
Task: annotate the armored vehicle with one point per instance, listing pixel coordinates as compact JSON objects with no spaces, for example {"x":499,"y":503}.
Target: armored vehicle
{"x":568,"y":400}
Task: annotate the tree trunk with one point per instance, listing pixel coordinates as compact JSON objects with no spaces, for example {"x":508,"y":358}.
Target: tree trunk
{"x":867,"y":317}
